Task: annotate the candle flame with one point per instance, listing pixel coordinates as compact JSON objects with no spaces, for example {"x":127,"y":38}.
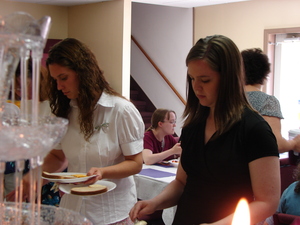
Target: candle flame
{"x":242,"y":213}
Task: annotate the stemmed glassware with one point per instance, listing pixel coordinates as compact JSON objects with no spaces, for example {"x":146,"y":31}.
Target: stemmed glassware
{"x":26,"y":135}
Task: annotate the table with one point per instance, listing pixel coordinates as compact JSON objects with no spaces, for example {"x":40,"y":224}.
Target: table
{"x":151,"y":181}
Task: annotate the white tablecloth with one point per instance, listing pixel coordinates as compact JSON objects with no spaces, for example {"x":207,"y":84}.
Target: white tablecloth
{"x":151,"y":181}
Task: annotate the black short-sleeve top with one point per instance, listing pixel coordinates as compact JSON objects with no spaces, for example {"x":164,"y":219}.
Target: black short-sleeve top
{"x":217,"y":172}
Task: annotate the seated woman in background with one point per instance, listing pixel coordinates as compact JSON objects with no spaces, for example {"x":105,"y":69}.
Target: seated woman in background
{"x":290,"y":198}
{"x":257,"y":68}
{"x":159,"y":143}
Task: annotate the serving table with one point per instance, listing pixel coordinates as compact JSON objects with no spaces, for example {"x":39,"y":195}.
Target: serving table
{"x":151,"y":181}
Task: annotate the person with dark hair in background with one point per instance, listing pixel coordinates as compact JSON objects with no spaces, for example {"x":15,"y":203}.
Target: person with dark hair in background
{"x":104,"y":136}
{"x":257,"y":69}
{"x":228,"y":150}
{"x":159,"y":143}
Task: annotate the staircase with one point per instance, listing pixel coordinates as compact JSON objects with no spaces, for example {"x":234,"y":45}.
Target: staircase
{"x":141,"y":102}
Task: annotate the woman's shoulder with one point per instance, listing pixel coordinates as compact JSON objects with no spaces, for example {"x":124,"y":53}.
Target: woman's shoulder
{"x":265,"y":104}
{"x":261,"y":96}
{"x":272,"y":107}
{"x":291,"y":187}
{"x":252,"y":120}
{"x":149,"y":133}
{"x":257,"y":94}
{"x":289,"y":192}
{"x":257,"y":98}
{"x":272,"y":100}
{"x":252,"y":116}
{"x":118,"y":102}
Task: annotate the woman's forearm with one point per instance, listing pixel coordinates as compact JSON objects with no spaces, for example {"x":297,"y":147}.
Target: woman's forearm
{"x":130,"y":166}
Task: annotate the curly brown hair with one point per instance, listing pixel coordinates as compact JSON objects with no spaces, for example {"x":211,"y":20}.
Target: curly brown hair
{"x":75,"y":55}
{"x":257,"y":66}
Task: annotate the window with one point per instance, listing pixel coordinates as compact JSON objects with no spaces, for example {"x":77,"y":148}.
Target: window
{"x":287,"y":79}
{"x":283,"y":49}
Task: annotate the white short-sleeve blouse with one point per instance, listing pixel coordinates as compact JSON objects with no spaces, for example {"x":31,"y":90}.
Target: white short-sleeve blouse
{"x":119,"y":131}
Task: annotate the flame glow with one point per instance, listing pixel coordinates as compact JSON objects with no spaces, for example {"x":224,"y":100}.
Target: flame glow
{"x":242,"y":213}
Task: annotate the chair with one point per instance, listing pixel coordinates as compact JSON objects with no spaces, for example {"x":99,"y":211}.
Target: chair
{"x":286,"y":219}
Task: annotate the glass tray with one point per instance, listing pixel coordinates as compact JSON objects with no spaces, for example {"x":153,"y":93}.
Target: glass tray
{"x":49,"y":215}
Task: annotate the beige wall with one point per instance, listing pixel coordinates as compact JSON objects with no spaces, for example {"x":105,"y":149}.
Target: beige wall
{"x":58,"y":14}
{"x":105,"y":27}
{"x":244,"y":22}
{"x":101,"y":26}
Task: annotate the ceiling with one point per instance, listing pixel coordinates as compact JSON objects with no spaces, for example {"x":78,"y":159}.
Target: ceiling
{"x":174,"y":3}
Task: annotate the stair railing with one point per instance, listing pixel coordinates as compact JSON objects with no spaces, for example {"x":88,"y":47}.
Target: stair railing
{"x":158,"y":70}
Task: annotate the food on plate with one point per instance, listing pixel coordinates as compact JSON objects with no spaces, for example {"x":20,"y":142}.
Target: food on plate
{"x":174,"y":162}
{"x":92,"y":189}
{"x":142,"y":222}
{"x":55,"y":176}
{"x":164,"y":163}
{"x":79,"y":175}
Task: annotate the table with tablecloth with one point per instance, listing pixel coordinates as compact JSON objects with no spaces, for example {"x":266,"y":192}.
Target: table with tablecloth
{"x":151,"y":181}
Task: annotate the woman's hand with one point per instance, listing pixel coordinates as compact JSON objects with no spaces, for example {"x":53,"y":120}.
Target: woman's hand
{"x":297,"y":143}
{"x":177,"y":149}
{"x":142,"y":208}
{"x":94,"y":171}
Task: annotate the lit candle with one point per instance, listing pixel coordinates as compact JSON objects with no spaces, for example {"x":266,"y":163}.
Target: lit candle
{"x":242,"y":213}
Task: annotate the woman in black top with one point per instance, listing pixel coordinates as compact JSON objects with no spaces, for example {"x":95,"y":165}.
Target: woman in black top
{"x":228,"y":151}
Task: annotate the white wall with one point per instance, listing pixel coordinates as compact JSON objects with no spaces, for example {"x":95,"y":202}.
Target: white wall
{"x":166,"y":34}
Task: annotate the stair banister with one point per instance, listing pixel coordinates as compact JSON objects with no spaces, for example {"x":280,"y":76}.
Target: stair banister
{"x":158,"y":70}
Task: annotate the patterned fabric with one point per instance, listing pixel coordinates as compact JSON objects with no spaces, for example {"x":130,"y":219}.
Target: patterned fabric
{"x":49,"y":196}
{"x":266,"y":105}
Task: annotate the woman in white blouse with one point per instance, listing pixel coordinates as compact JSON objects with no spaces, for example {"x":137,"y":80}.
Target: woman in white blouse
{"x":104,"y":136}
